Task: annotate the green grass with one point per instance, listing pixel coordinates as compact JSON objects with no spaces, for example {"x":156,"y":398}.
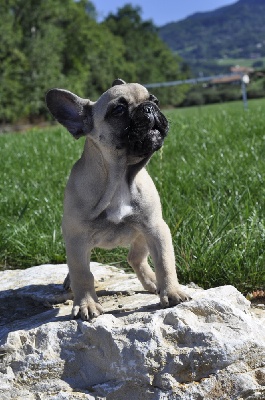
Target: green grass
{"x":243,"y":62}
{"x":246,"y":62}
{"x":210,"y":176}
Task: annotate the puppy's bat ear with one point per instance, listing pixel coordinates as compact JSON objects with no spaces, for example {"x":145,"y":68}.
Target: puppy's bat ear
{"x":118,"y":81}
{"x":71,"y":111}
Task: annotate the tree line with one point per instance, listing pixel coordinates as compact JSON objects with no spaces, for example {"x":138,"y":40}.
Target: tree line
{"x":47,"y":43}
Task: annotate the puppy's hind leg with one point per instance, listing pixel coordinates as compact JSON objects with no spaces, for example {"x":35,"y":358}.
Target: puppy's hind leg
{"x":67,"y":282}
{"x":137,"y":258}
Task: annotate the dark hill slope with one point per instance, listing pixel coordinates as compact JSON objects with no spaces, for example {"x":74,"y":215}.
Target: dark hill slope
{"x":234,"y":31}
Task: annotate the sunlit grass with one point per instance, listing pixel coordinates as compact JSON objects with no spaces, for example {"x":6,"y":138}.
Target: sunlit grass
{"x":210,"y":176}
{"x":212,"y":185}
{"x":35,"y":169}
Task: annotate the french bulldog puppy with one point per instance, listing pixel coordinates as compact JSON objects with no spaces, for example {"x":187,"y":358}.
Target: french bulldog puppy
{"x":110,"y":199}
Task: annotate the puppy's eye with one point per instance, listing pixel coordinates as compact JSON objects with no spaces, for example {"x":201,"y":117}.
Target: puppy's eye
{"x":154,"y":99}
{"x":119,"y":110}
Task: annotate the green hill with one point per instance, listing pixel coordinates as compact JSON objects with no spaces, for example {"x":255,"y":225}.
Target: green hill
{"x":236,"y":31}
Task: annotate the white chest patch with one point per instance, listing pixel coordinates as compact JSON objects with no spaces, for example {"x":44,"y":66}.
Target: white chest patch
{"x":120,"y":206}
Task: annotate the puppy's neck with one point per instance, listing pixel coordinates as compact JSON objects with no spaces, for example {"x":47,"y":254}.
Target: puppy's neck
{"x":134,"y":167}
{"x":111,"y":168}
{"x":94,"y":151}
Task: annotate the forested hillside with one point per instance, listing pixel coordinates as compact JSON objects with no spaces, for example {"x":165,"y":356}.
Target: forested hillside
{"x":231,"y":32}
{"x":46,"y":43}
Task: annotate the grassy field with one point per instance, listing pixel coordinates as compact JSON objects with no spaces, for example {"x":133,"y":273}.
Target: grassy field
{"x":246,"y":62}
{"x":210,"y":175}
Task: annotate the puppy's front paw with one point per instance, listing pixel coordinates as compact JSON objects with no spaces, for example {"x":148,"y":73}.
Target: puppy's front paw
{"x":172,"y":297}
{"x":86,"y":309}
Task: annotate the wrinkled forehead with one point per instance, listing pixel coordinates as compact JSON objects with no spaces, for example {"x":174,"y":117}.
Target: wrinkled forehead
{"x":134,"y":93}
{"x":131,"y":91}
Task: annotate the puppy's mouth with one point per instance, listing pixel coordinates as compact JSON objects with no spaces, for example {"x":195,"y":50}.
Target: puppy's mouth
{"x":147,"y":131}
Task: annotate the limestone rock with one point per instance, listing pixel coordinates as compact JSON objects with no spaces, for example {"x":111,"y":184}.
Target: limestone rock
{"x":212,"y":347}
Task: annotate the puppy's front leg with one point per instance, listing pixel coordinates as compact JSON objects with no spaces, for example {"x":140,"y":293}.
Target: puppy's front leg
{"x":86,"y":303}
{"x":161,"y":250}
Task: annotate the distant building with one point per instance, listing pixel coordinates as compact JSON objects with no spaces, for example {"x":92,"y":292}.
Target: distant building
{"x":241,"y":70}
{"x":227,"y":79}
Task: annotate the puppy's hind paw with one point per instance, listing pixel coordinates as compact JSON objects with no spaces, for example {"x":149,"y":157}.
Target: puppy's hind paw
{"x":67,"y":283}
{"x":149,"y":285}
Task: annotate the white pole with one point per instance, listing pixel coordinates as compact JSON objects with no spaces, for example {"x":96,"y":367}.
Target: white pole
{"x":244,"y":82}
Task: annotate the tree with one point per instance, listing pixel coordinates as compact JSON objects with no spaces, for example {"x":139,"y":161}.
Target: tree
{"x":95,"y":55}
{"x":46,"y":43}
{"x":12,"y":64}
{"x":31,"y":59}
{"x":153,"y":60}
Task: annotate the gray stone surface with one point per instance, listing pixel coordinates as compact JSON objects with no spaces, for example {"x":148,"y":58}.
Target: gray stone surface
{"x":212,"y":347}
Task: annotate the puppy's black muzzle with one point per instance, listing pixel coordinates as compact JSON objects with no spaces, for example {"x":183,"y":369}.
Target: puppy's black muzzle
{"x":147,"y":130}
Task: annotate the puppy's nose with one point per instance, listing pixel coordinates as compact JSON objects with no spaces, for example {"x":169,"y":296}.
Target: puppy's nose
{"x":148,"y":109}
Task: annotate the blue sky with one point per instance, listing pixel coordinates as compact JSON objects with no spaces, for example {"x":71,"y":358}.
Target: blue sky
{"x":161,"y":11}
